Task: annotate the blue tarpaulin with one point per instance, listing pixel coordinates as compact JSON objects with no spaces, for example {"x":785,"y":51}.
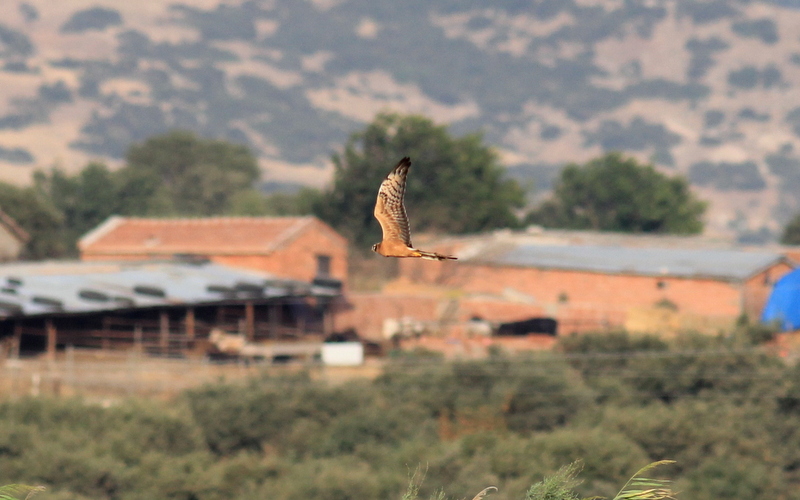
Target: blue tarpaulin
{"x":783,"y":305}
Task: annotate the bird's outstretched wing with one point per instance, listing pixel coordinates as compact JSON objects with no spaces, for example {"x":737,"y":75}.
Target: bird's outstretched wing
{"x":484,"y":492}
{"x":389,"y":208}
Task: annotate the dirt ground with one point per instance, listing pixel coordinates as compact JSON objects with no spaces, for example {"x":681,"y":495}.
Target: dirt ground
{"x":108,"y":375}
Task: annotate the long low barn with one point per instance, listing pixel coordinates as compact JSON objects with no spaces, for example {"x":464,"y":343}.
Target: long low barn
{"x":167,"y":307}
{"x":648,"y":287}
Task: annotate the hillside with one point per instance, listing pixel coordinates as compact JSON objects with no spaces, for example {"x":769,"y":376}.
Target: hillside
{"x":709,"y":89}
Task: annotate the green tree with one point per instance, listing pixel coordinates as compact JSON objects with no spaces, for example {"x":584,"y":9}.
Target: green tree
{"x":39,"y":217}
{"x":614,"y":193}
{"x":456,"y":184}
{"x":179,"y":173}
{"x":176,"y":173}
{"x":791,"y":233}
{"x":252,"y":202}
{"x":84,"y":200}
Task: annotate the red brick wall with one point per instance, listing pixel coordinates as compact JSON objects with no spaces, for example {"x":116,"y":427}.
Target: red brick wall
{"x":586,"y":289}
{"x":370,"y":309}
{"x":595,"y":298}
{"x":793,"y":254}
{"x":297,"y":259}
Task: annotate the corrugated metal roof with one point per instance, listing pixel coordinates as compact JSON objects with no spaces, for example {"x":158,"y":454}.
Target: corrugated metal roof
{"x":77,"y":287}
{"x":713,"y":263}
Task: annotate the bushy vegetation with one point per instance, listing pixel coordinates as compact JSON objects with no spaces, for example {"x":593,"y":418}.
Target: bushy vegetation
{"x":763,"y":29}
{"x":727,"y":176}
{"x":791,"y":233}
{"x":726,"y":411}
{"x":410,"y":45}
{"x":175,"y":174}
{"x":179,"y":174}
{"x":446,"y":171}
{"x":617,"y":193}
{"x":95,"y":18}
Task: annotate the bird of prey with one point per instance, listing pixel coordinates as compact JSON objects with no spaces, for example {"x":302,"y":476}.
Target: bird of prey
{"x":391,"y":213}
{"x":484,"y":492}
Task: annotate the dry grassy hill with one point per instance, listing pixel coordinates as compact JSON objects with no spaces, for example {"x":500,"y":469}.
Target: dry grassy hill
{"x":708,"y":89}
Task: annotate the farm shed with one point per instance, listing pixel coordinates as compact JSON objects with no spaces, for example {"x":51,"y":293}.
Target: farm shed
{"x":300,"y":248}
{"x":600,"y":286}
{"x":163,"y":308}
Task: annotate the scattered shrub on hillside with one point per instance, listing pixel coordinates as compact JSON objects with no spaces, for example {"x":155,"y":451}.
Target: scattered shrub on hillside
{"x":95,"y":18}
{"x":727,"y":176}
{"x":763,"y":29}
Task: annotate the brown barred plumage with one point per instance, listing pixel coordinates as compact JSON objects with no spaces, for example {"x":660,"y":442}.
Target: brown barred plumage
{"x":391,"y":214}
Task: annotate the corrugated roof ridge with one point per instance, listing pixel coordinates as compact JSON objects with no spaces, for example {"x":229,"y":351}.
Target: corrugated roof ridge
{"x":291,"y":232}
{"x":649,"y":248}
{"x":104,"y":228}
{"x":496,"y":250}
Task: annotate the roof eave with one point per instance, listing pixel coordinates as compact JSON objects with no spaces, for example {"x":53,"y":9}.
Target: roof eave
{"x":714,"y":277}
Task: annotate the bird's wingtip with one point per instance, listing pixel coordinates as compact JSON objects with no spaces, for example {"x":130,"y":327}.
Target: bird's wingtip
{"x":403,"y":164}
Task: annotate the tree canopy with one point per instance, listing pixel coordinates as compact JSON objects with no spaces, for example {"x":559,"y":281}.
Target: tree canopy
{"x":181,"y":174}
{"x":38,"y":216}
{"x":791,"y":233}
{"x":724,"y":407}
{"x":455,"y":185}
{"x":83,"y":200}
{"x":615,"y":193}
{"x":175,"y":174}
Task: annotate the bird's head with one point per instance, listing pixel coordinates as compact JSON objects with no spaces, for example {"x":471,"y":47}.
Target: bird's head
{"x":375,"y":247}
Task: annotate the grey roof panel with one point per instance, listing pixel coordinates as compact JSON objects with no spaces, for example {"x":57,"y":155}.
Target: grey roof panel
{"x":719,"y":264}
{"x":75,"y":287}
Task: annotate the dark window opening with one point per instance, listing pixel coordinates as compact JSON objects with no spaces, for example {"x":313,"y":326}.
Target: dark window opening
{"x":323,"y":266}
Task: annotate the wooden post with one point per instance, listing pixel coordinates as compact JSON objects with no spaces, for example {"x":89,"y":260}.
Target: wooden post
{"x":301,"y":320}
{"x":327,"y":320}
{"x":274,"y":318}
{"x":137,"y":337}
{"x":333,"y":305}
{"x":164,"y":330}
{"x":50,"y":328}
{"x":190,"y":328}
{"x":250,"y":320}
{"x":105,"y":342}
{"x":17,"y":340}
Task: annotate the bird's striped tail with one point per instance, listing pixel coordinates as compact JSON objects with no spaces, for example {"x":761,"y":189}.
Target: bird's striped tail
{"x":435,"y":256}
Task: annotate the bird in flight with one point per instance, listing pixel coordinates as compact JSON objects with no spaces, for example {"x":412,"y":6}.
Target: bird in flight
{"x":484,"y":492}
{"x":391,"y":213}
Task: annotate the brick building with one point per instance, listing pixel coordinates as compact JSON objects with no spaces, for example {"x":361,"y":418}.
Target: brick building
{"x":302,"y":248}
{"x":586,"y":281}
{"x":589,"y":286}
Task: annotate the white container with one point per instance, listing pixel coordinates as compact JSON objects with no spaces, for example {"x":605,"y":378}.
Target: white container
{"x":342,"y":353}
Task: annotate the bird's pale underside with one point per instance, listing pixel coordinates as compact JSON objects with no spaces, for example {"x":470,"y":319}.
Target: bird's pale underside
{"x":391,"y":213}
